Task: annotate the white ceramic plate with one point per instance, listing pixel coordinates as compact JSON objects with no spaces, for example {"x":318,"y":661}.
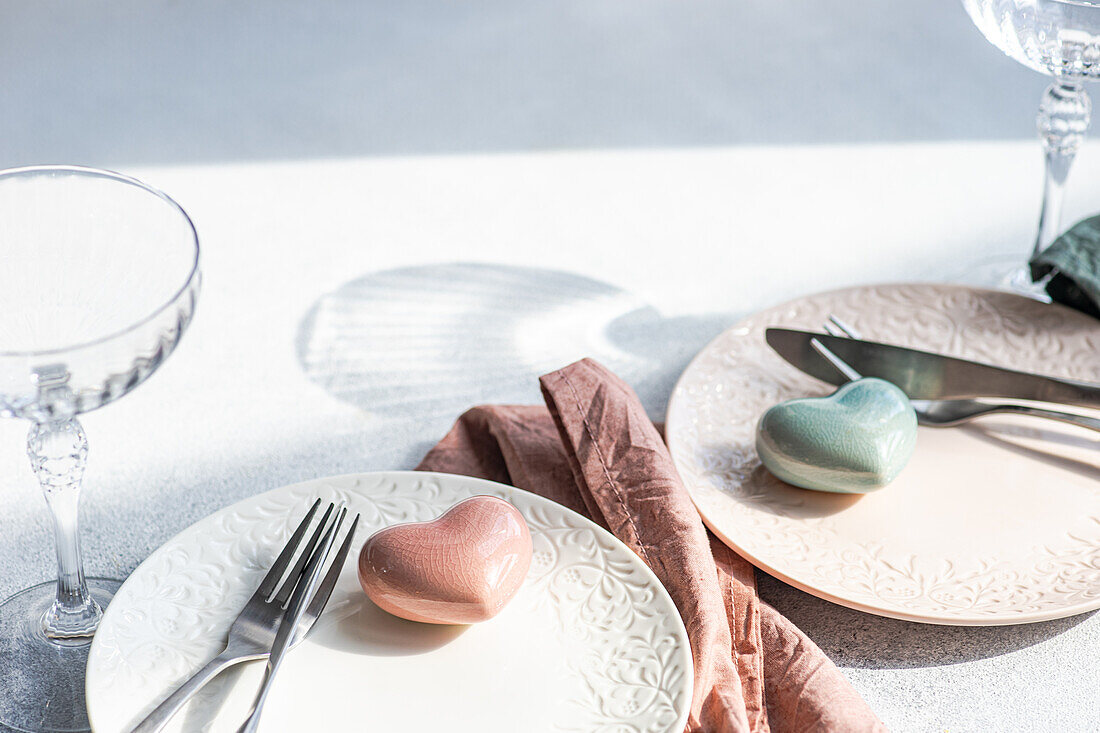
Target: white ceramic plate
{"x":997,"y":522}
{"x":592,"y":642}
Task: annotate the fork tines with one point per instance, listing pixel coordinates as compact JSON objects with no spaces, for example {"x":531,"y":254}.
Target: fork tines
{"x":270,"y":588}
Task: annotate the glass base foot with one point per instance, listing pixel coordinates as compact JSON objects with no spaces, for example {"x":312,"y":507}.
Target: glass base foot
{"x":1004,"y":272}
{"x":1018,"y":281}
{"x":42,"y":681}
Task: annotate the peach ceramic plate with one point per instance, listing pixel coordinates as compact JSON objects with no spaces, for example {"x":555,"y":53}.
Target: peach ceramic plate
{"x":996,"y":522}
{"x":590,"y":642}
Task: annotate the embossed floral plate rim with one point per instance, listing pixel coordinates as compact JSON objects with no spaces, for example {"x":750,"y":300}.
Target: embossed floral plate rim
{"x":134,"y":644}
{"x":714,"y":407}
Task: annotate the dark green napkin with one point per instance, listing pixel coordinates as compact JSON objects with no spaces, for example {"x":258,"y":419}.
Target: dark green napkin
{"x":1074,"y":258}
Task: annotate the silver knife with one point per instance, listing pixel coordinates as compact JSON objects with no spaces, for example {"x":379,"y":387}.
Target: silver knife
{"x":924,"y":375}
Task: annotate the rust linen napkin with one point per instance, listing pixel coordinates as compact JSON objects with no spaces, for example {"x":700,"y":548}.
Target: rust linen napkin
{"x":594,"y":450}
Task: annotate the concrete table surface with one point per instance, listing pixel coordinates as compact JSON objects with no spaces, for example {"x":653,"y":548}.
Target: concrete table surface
{"x":533,"y":183}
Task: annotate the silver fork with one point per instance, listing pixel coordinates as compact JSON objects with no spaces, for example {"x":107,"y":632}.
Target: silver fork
{"x":293,"y":616}
{"x":253,"y":631}
{"x":949,"y":413}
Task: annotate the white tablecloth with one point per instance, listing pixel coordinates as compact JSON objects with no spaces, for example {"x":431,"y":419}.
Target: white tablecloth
{"x":698,"y":160}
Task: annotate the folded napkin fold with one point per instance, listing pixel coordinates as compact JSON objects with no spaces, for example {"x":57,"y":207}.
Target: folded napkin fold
{"x":594,"y":450}
{"x":1074,"y":261}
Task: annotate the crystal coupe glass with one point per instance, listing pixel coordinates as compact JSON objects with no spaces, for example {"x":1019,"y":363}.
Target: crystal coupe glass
{"x":98,"y":280}
{"x":1059,"y":38}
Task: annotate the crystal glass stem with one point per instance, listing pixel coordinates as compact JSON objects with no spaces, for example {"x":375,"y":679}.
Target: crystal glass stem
{"x":1064,"y":115}
{"x":58,"y":451}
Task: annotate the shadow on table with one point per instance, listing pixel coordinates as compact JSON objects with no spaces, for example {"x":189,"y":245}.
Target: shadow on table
{"x":856,"y":639}
{"x":438,"y":339}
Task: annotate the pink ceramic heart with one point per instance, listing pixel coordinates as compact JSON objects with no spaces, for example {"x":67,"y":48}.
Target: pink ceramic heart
{"x":461,"y":568}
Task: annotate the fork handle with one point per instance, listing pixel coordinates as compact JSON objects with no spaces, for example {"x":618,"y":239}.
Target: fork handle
{"x":1066,"y":417}
{"x":162,"y":713}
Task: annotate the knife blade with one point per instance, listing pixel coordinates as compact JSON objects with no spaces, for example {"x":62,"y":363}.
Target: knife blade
{"x":924,"y":375}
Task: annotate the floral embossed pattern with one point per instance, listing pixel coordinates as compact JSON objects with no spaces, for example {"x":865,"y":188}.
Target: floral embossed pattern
{"x":592,"y":639}
{"x":996,"y":522}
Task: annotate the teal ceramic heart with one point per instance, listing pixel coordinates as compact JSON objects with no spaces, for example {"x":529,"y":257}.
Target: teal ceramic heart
{"x":854,"y":441}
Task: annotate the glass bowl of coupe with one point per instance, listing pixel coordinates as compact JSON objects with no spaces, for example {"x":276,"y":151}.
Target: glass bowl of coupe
{"x":99,"y":276}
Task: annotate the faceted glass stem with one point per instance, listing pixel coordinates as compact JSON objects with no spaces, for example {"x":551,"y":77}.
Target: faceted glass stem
{"x":58,"y":451}
{"x":1064,"y":115}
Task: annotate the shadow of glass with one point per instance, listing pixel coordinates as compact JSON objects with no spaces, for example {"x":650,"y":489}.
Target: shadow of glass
{"x":856,"y":639}
{"x":437,"y":339}
{"x":440,"y":338}
{"x":361,"y":627}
